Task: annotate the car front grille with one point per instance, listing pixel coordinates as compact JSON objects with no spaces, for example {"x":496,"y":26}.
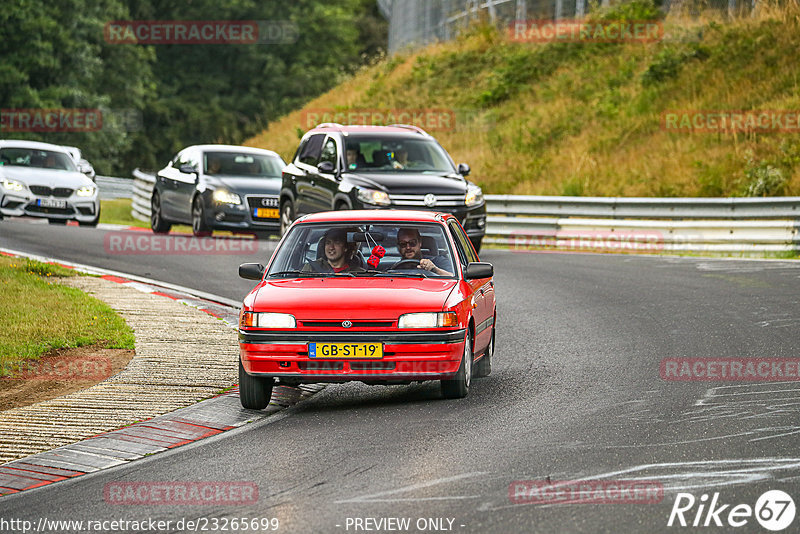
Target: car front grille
{"x":354,"y":324}
{"x":262,"y":202}
{"x":418,"y":201}
{"x":44,"y":191}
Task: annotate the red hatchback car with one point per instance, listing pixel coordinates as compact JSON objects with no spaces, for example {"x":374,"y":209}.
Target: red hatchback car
{"x":381,"y":297}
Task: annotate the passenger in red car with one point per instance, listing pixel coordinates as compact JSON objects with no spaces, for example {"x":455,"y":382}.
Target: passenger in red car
{"x":338,"y":254}
{"x":409,"y":243}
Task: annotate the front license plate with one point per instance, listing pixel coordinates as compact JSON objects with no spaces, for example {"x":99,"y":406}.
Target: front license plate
{"x":345,"y":350}
{"x":265,"y":213}
{"x":51,"y":203}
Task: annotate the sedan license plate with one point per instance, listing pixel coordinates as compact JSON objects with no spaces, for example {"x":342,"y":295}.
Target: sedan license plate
{"x":345,"y":350}
{"x":51,"y":203}
{"x":265,"y":213}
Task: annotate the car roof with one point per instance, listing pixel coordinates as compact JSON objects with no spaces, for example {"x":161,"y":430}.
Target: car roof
{"x":353,"y":216}
{"x":19,"y":143}
{"x":234,"y":148}
{"x":395,"y":129}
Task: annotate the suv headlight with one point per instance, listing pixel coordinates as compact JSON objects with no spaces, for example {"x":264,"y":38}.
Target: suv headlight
{"x":267,"y":320}
{"x":373,"y":196}
{"x":226,"y":197}
{"x":427,"y":320}
{"x":85,"y":191}
{"x":474,"y":196}
{"x":13,"y":185}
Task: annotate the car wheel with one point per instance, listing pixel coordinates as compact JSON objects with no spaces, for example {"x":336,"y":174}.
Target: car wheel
{"x":484,"y":366}
{"x":199,"y":227}
{"x":157,"y":222}
{"x":476,"y":242}
{"x":254,"y":392}
{"x":458,"y":386}
{"x":60,"y":222}
{"x":94,"y":221}
{"x":287,"y":216}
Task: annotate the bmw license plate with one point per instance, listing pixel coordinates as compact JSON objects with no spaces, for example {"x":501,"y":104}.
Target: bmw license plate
{"x":265,"y":213}
{"x":51,"y":203}
{"x":345,"y":350}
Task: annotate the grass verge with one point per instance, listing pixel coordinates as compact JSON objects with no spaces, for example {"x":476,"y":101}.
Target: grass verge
{"x":40,"y":315}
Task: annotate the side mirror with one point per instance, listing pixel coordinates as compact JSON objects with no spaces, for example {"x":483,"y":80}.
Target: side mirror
{"x":463,"y":169}
{"x":251,"y":271}
{"x":187,"y":169}
{"x":479,"y":269}
{"x":326,"y":167}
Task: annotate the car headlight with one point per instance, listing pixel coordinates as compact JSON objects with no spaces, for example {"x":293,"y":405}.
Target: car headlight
{"x":474,"y":196}
{"x":373,"y":196}
{"x":226,"y":197}
{"x":85,"y":191}
{"x":13,"y":185}
{"x":267,"y":320}
{"x":428,"y":320}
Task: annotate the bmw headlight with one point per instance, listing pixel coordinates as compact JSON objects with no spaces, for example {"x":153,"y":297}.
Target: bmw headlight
{"x":13,"y":185}
{"x":373,"y":196}
{"x":427,"y":320}
{"x":85,"y":191}
{"x":267,"y":320}
{"x":226,"y":197}
{"x":474,"y":196}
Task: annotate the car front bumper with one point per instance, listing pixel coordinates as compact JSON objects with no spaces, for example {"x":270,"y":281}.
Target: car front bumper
{"x":408,"y":356}
{"x":238,"y":218}
{"x":81,"y":209}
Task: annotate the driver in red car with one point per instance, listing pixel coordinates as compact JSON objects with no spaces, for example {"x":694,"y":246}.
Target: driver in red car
{"x":409,"y":243}
{"x":338,"y":254}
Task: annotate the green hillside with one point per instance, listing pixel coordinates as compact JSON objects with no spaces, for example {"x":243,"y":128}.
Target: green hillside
{"x":586,"y":118}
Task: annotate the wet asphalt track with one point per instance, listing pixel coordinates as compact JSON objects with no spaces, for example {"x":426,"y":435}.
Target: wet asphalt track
{"x":575,"y":394}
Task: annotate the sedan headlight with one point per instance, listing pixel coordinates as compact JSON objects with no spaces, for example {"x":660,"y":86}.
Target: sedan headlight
{"x":226,"y":197}
{"x":373,"y":196}
{"x":267,"y":320}
{"x":427,"y":320}
{"x":474,"y":196}
{"x":85,"y":191}
{"x":13,"y":185}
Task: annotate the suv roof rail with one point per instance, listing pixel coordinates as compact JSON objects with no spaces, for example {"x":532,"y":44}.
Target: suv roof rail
{"x":328,"y":125}
{"x":410,"y":127}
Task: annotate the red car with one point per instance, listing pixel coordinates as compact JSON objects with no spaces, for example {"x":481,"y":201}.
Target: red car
{"x":382,"y":297}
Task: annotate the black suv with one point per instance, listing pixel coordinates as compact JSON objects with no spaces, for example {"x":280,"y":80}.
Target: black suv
{"x":361,"y":167}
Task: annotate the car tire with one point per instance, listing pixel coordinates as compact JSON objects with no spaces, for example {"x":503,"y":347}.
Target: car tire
{"x":458,"y":386}
{"x":477,"y":242}
{"x":199,"y":226}
{"x":157,"y":222}
{"x":287,"y":215}
{"x":484,"y":366}
{"x":60,"y":222}
{"x":93,"y":222}
{"x":254,"y":392}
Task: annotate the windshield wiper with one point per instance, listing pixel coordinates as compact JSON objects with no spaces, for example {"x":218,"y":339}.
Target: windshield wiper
{"x":298,"y":273}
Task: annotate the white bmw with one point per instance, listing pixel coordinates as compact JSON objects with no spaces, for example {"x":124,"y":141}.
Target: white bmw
{"x":42,"y":180}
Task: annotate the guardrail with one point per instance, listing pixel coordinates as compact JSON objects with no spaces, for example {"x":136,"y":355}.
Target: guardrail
{"x":112,"y":188}
{"x":703,"y":225}
{"x":142,"y":190}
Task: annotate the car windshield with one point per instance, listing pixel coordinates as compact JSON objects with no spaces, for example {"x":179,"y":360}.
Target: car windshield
{"x":33,"y":157}
{"x":364,"y":249}
{"x":396,"y":154}
{"x":242,"y":164}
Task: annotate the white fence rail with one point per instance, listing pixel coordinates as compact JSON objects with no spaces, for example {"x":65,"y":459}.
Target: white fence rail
{"x":112,"y":188}
{"x":702,"y":225}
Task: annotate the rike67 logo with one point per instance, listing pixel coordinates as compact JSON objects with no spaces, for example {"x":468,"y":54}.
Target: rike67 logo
{"x":774,"y":510}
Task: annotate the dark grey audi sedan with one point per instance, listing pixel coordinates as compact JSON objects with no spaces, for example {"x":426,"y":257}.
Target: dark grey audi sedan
{"x":219,"y":187}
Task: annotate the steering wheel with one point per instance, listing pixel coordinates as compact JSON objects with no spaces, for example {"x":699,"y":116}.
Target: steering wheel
{"x":405,"y":264}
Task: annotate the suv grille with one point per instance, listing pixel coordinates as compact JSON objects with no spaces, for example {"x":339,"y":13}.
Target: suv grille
{"x":43,"y":190}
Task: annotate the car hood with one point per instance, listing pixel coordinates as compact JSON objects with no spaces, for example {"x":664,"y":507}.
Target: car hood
{"x":248,"y":185}
{"x":401,"y":183}
{"x":351,"y":298}
{"x":45,"y":177}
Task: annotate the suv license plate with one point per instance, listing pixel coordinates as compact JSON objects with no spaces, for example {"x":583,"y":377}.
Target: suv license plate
{"x":345,"y":350}
{"x":51,"y":203}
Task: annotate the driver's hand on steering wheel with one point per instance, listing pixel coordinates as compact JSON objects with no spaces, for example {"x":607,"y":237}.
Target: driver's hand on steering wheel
{"x":426,"y":264}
